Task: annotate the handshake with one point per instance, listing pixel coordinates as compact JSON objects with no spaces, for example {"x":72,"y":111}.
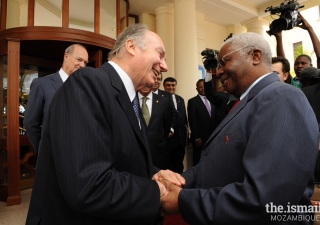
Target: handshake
{"x":170,"y":185}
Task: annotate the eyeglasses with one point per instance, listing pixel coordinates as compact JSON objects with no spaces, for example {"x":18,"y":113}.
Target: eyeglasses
{"x":222,"y":62}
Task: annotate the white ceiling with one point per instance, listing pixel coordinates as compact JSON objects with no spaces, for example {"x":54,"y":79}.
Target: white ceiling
{"x":222,"y":12}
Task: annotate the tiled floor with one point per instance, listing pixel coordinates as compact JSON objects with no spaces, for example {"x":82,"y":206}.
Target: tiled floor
{"x":15,"y":215}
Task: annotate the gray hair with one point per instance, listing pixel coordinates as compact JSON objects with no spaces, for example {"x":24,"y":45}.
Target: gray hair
{"x":253,"y":41}
{"x":70,"y":49}
{"x":135,"y":32}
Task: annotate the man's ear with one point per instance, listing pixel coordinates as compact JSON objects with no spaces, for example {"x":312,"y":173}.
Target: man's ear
{"x":256,"y":56}
{"x":130,"y":47}
{"x":65,"y":57}
{"x":286,"y":75}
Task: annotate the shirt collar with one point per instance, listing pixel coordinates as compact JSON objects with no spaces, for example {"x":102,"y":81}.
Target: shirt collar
{"x":64,"y":76}
{"x":252,"y":85}
{"x":125,"y":79}
{"x":156,"y":92}
{"x":149,"y":96}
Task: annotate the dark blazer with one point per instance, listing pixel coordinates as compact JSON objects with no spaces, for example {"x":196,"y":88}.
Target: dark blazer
{"x":181,"y":128}
{"x":94,"y":165}
{"x":313,"y":95}
{"x":201,"y":124}
{"x":42,"y":91}
{"x":257,"y":155}
{"x":172,"y":120}
{"x":158,"y":131}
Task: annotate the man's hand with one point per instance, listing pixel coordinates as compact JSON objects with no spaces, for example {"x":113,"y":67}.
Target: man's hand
{"x":305,"y":25}
{"x":172,"y":177}
{"x":170,"y":134}
{"x":163,"y":189}
{"x":169,"y":202}
{"x":199,"y":143}
{"x":278,"y":34}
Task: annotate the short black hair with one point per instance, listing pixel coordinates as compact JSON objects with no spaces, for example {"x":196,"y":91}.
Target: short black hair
{"x":170,"y":79}
{"x":304,"y":55}
{"x":200,"y":80}
{"x":284,"y":61}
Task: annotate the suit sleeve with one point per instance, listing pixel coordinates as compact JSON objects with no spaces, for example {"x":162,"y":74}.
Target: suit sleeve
{"x":192,"y":117}
{"x":83,"y":153}
{"x":278,"y":160}
{"x":34,"y":114}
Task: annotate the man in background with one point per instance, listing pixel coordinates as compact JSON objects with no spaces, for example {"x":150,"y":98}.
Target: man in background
{"x":203,"y":119}
{"x":163,"y":94}
{"x":156,"y":112}
{"x":177,"y":143}
{"x":43,"y":89}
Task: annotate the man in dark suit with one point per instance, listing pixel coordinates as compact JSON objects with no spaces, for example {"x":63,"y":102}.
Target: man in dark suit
{"x":250,"y":162}
{"x":177,"y":143}
{"x":203,"y":119}
{"x":163,"y":94}
{"x":43,"y":89}
{"x":94,"y":165}
{"x":156,"y":112}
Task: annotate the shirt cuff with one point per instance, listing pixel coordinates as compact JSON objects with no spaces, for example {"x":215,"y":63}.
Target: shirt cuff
{"x":208,"y":77}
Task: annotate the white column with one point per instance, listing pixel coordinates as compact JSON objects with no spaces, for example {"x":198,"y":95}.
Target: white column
{"x":256,"y":25}
{"x":165,"y":29}
{"x":185,"y":48}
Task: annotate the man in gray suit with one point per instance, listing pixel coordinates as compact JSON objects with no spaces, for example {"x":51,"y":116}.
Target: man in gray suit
{"x":251,"y":166}
{"x":43,"y":89}
{"x":95,"y":166}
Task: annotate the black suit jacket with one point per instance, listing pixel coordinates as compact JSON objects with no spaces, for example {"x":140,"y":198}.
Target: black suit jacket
{"x":94,"y":165}
{"x":181,"y":128}
{"x":173,"y":114}
{"x":313,"y":95}
{"x":201,"y":124}
{"x":158,"y":130}
{"x":42,"y":91}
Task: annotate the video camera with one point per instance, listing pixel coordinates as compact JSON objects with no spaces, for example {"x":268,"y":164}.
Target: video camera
{"x":288,"y":12}
{"x":209,"y":59}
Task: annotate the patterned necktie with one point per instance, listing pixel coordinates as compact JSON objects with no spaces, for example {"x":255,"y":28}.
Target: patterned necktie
{"x":145,"y":110}
{"x":135,"y":104}
{"x":206,"y":102}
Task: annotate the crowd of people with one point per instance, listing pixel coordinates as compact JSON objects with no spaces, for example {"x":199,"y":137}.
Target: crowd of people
{"x":110,"y":147}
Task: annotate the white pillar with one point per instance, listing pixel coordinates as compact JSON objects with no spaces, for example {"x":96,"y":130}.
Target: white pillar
{"x":185,"y":48}
{"x":165,"y":29}
{"x":256,"y":25}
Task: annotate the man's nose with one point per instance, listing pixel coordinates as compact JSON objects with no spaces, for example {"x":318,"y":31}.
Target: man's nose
{"x":163,"y":66}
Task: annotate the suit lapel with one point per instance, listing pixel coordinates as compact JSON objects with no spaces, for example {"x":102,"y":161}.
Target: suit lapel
{"x":57,"y":81}
{"x":155,"y":105}
{"x":124,"y":101}
{"x":253,"y":92}
{"x":202,"y":105}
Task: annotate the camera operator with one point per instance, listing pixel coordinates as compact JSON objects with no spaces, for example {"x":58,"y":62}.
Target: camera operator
{"x":302,"y":61}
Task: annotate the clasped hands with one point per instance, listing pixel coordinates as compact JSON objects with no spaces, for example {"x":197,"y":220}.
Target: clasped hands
{"x":170,"y":185}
